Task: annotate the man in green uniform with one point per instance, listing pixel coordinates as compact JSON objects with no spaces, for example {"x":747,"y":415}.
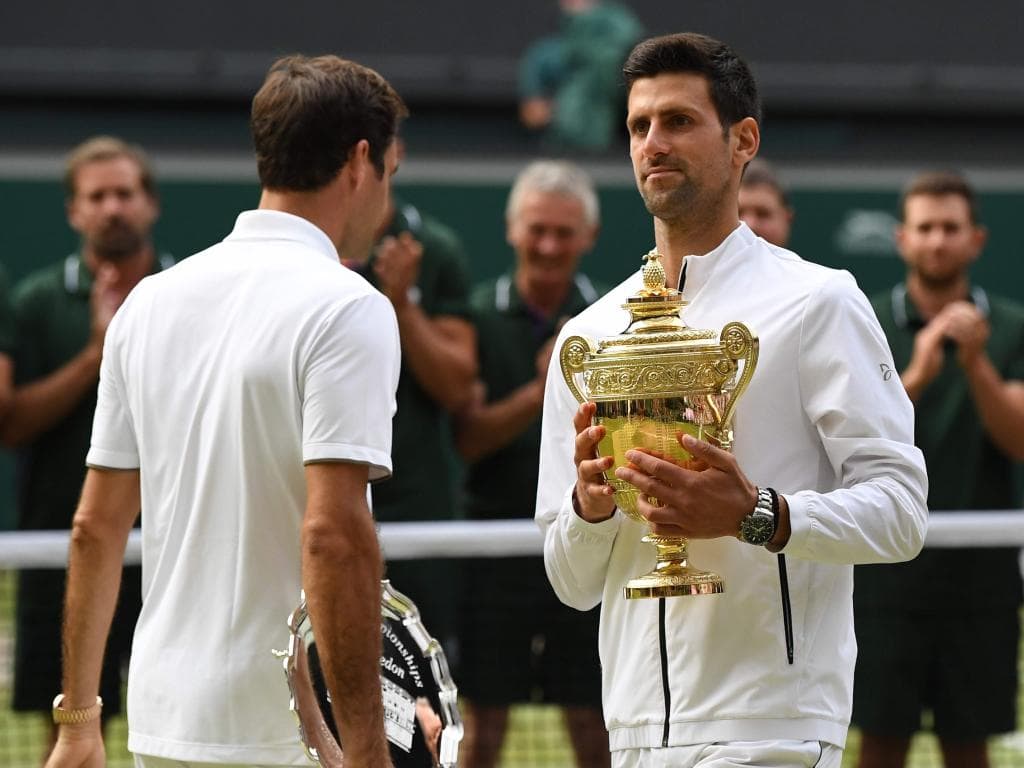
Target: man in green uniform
{"x":419,"y":264}
{"x":6,"y":380}
{"x":941,"y":632}
{"x":571,"y":84}
{"x":6,"y":345}
{"x":6,"y":383}
{"x":61,"y":315}
{"x":518,"y":642}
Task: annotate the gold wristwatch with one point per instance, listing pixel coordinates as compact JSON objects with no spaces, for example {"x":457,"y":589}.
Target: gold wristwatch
{"x":63,"y":716}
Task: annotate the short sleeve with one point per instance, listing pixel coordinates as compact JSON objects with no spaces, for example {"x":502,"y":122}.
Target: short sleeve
{"x":348,"y":383}
{"x":113,"y":444}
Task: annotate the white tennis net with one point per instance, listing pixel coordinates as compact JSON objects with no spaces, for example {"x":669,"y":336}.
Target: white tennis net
{"x":506,"y":538}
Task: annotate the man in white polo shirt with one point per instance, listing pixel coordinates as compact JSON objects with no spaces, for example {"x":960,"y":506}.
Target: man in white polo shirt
{"x":245,"y":402}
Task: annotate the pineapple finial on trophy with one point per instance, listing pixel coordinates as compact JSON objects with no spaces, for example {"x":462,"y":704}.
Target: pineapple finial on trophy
{"x":653,"y":275}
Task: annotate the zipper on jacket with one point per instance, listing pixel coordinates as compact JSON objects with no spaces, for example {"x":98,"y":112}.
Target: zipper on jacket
{"x":664,"y":669}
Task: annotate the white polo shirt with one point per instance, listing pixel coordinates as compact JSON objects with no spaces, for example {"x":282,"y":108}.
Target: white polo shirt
{"x":221,"y":377}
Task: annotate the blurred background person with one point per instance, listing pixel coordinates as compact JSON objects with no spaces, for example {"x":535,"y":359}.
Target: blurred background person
{"x":941,"y":632}
{"x":420,"y":265}
{"x":764,"y":204}
{"x":61,"y":316}
{"x":6,"y":345}
{"x":570,"y":85}
{"x":518,"y":642}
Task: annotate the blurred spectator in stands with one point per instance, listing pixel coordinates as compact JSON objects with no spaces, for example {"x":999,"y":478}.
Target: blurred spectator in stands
{"x":941,"y":632}
{"x":764,"y":204}
{"x":6,"y":375}
{"x":518,"y":642}
{"x":61,"y":315}
{"x":6,"y":345}
{"x":570,"y":85}
{"x":419,"y":264}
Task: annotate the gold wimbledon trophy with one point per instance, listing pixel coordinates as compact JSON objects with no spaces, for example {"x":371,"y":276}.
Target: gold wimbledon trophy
{"x":653,"y":383}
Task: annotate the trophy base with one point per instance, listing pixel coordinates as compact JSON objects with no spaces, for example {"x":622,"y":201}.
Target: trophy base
{"x":659,"y":584}
{"x":673,"y":576}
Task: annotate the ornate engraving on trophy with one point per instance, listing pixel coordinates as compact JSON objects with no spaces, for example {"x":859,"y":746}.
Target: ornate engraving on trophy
{"x":652,"y":384}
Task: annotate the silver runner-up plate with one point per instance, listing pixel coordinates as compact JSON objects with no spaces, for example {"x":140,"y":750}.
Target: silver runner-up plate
{"x":421,"y":714}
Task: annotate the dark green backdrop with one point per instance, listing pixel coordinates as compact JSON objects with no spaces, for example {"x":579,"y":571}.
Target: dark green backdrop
{"x":196,"y":214}
{"x":839,"y":227}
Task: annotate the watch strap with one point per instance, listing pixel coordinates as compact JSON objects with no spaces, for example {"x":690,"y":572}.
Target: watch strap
{"x":775,"y":511}
{"x":62,"y":716}
{"x":764,"y":501}
{"x":760,"y":525}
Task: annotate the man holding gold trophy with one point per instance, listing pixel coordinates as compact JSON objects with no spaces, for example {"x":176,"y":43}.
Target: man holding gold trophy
{"x":774,"y":432}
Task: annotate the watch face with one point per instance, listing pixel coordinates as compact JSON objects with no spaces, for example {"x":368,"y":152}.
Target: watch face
{"x":757,"y":529}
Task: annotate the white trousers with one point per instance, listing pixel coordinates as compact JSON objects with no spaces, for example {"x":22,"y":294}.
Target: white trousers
{"x":734,"y":754}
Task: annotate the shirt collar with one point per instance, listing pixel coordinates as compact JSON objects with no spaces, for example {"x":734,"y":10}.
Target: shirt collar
{"x":699,"y":267}
{"x":508,"y":299}
{"x":277,"y":225}
{"x":906,"y":315}
{"x":78,"y":279}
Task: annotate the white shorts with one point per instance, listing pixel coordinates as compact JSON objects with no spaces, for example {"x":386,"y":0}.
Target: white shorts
{"x":734,"y":754}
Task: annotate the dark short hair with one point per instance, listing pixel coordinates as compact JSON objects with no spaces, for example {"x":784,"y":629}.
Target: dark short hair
{"x":760,"y":173}
{"x":732,"y":85}
{"x":311,"y":112}
{"x":101,"y":148}
{"x":940,"y":184}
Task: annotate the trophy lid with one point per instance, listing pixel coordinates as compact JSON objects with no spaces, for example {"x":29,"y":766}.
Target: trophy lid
{"x":654,"y":313}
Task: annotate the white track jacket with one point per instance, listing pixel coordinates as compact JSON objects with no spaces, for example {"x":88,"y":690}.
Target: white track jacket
{"x":826,"y":422}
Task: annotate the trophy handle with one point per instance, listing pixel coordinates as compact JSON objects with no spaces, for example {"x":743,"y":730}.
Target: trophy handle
{"x":739,"y":344}
{"x":574,"y":351}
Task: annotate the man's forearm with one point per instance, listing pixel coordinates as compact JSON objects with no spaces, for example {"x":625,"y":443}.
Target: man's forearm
{"x":1000,"y":405}
{"x":485,"y":428}
{"x":95,"y":560}
{"x":6,"y":385}
{"x":341,"y":575}
{"x":440,"y":352}
{"x":41,"y":404}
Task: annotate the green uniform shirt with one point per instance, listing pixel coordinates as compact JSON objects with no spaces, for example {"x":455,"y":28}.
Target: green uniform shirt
{"x":966,"y":471}
{"x":52,"y":325}
{"x":6,"y":315}
{"x":509,"y":336}
{"x":421,"y":484}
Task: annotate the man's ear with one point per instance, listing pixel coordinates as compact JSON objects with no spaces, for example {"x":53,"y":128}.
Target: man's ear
{"x":154,"y":209}
{"x":899,"y":237}
{"x":71,"y":212}
{"x":979,"y":236}
{"x":358,"y":163}
{"x":747,"y":136}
